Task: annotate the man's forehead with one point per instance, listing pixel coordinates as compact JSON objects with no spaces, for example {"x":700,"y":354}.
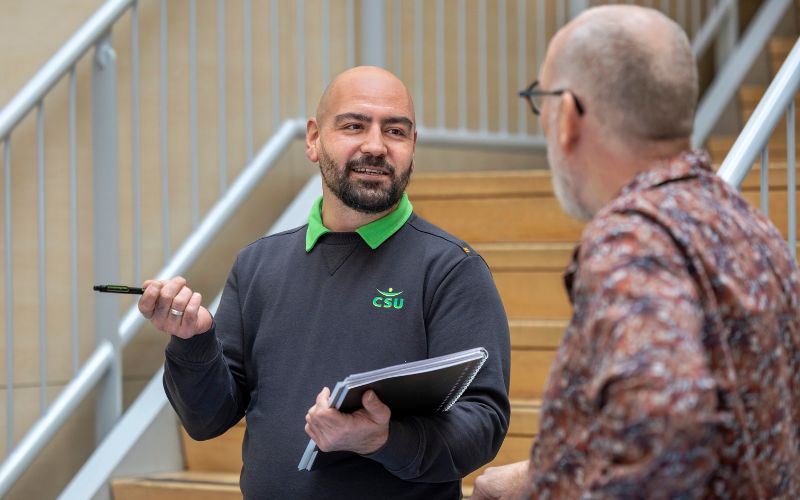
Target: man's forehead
{"x":368,"y":91}
{"x":373,"y":100}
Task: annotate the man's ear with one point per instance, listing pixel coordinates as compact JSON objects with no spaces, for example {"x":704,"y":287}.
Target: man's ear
{"x":312,"y":135}
{"x":568,"y":123}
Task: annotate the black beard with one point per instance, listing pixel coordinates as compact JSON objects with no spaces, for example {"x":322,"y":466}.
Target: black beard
{"x":363,"y":196}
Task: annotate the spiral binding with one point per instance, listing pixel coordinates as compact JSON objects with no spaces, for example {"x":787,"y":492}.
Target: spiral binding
{"x":451,"y":399}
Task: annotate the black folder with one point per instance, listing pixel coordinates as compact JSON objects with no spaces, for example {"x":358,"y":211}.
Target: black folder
{"x":420,"y":388}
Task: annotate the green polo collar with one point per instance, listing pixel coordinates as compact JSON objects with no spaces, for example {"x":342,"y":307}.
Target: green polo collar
{"x":373,"y":234}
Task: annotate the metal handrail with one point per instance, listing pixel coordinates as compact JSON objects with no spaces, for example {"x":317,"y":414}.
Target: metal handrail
{"x":762,"y":122}
{"x":58,"y":65}
{"x":727,"y":81}
{"x":214,"y":221}
{"x":705,"y":35}
{"x":61,"y":409}
{"x":99,"y":362}
{"x":138,"y":418}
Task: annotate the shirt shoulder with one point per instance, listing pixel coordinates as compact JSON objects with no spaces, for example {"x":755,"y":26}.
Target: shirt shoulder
{"x":435,"y":237}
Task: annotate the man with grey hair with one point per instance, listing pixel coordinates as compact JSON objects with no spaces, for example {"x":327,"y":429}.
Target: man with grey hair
{"x":679,"y":372}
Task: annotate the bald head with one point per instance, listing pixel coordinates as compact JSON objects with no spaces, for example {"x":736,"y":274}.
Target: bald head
{"x":632,"y":66}
{"x":364,"y":83}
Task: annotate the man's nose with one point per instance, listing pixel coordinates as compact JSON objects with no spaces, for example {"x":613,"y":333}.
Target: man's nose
{"x":374,"y":144}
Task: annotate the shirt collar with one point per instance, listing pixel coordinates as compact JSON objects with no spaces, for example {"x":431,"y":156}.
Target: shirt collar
{"x":373,"y":234}
{"x":680,"y":166}
{"x":685,"y":164}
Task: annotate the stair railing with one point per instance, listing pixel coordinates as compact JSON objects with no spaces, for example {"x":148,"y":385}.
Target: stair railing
{"x":753,"y":142}
{"x":103,"y":366}
{"x":490,"y":79}
{"x":731,"y":76}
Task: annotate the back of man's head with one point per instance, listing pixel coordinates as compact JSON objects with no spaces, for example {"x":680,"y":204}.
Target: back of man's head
{"x":634,"y":68}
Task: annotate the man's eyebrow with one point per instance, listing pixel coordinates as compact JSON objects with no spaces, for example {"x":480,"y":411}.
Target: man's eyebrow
{"x":398,"y":119}
{"x":368,"y":119}
{"x":352,"y":116}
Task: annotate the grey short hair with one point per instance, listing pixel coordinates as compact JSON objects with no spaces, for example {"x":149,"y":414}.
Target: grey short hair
{"x":641,"y":88}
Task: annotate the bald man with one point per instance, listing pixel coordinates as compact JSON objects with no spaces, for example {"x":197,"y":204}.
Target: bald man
{"x":303,"y":309}
{"x":679,"y":373}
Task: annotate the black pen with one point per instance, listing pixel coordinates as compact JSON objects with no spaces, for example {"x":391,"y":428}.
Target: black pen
{"x":133,"y":290}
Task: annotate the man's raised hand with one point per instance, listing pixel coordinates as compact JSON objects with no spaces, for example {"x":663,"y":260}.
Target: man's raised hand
{"x":174,"y":308}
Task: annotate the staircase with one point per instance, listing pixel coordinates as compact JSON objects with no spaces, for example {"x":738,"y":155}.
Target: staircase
{"x":513,"y":219}
{"x":748,"y":98}
{"x":515,"y":222}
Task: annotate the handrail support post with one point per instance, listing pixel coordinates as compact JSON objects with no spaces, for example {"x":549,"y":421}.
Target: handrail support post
{"x":373,"y":37}
{"x":106,"y":223}
{"x":728,"y":35}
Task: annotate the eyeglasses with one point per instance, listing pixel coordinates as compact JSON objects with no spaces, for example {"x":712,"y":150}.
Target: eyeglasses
{"x":534,"y":97}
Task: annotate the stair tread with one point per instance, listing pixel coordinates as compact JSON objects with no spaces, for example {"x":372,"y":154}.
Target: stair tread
{"x":501,"y":183}
{"x":183,"y":478}
{"x":525,"y":245}
{"x":752,"y":93}
{"x":781,"y":45}
{"x":523,"y":255}
{"x":536,"y":333}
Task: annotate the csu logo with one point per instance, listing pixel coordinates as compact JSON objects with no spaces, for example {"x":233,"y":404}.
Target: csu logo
{"x":388,"y":300}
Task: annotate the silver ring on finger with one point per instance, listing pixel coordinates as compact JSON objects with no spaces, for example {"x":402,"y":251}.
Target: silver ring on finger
{"x":175,"y":312}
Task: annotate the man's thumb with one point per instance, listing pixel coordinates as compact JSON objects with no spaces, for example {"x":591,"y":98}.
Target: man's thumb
{"x":375,"y":406}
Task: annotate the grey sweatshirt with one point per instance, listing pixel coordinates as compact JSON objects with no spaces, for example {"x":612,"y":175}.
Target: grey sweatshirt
{"x":291,"y":322}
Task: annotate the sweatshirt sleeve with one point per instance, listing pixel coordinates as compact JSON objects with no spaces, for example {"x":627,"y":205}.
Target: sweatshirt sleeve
{"x":466,"y":312}
{"x":204,"y":376}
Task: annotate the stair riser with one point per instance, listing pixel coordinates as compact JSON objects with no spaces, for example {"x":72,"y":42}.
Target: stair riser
{"x":222,"y":454}
{"x":155,"y":491}
{"x":518,"y":219}
{"x":533,"y":294}
{"x":529,"y":369}
{"x":513,"y":449}
{"x":778,"y":203}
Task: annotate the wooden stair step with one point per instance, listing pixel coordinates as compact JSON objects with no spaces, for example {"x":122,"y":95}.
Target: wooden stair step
{"x":529,"y":370}
{"x":437,"y":185}
{"x":533,"y":294}
{"x":750,"y":96}
{"x":221,"y":454}
{"x":718,"y":147}
{"x":505,"y":206}
{"x":779,"y":48}
{"x":525,"y":416}
{"x":529,"y":277}
{"x":526,"y":255}
{"x":534,"y":344}
{"x":178,"y":485}
{"x":752,"y":93}
{"x":536,"y":333}
{"x":507,"y":219}
{"x":513,"y":449}
{"x":521,"y":433}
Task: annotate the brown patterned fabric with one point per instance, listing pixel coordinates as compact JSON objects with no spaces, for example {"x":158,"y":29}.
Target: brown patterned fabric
{"x":679,"y":373}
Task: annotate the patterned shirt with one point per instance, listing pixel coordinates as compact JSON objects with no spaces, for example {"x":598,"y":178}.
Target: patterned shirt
{"x":679,"y":373}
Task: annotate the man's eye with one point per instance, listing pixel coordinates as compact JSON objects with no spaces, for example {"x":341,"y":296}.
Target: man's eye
{"x":396,"y":131}
{"x":353,"y":126}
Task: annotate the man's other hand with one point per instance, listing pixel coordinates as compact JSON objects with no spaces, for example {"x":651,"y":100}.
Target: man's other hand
{"x":174,"y":308}
{"x":501,"y":483}
{"x":364,"y":431}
